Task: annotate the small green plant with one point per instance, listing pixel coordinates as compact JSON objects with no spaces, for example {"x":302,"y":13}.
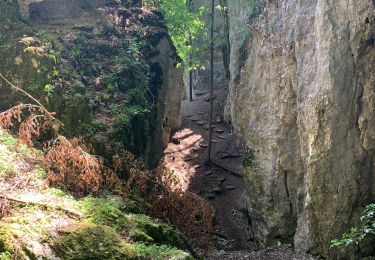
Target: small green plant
{"x":55,"y":72}
{"x":356,"y":235}
{"x":111,"y":87}
{"x":41,"y":173}
{"x":77,"y":52}
{"x":6,"y":256}
{"x":49,"y":89}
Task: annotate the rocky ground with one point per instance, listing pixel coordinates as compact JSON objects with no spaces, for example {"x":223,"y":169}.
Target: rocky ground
{"x":274,"y":253}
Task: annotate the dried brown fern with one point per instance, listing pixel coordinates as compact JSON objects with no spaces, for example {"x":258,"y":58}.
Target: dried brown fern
{"x":73,"y":168}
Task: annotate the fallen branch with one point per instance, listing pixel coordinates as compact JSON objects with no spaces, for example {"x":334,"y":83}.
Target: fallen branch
{"x":67,"y":212}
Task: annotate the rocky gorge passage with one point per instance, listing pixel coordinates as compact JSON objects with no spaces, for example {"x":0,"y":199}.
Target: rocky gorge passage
{"x":296,"y":166}
{"x":301,"y":100}
{"x":220,"y":182}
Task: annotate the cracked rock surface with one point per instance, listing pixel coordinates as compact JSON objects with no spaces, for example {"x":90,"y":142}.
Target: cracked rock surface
{"x":303,"y":102}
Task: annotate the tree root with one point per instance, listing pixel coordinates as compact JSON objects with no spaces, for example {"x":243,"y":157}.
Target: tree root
{"x":67,"y":212}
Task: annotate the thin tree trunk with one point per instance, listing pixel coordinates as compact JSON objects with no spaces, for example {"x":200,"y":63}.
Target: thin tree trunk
{"x":211,"y":81}
{"x":190,"y":83}
{"x":190,"y":6}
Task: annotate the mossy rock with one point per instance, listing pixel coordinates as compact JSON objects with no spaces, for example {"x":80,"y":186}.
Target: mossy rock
{"x":161,"y":233}
{"x":90,"y":241}
{"x":162,"y":252}
{"x":140,"y":236}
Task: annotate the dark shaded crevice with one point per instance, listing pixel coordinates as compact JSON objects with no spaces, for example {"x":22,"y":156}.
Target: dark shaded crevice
{"x":287,"y":192}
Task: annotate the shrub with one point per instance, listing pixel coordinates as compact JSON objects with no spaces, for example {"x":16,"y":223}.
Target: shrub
{"x":356,"y":235}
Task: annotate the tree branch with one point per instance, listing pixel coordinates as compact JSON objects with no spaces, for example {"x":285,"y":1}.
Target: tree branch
{"x":31,"y":97}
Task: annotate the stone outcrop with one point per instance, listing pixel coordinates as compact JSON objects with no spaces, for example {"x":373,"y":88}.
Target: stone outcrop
{"x":111,"y":66}
{"x":303,"y":102}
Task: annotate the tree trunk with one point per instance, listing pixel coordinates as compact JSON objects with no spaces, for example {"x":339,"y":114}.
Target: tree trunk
{"x":211,"y":80}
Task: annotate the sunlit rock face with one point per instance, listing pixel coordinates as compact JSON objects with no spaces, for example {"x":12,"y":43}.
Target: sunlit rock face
{"x":303,"y":101}
{"x":84,"y":48}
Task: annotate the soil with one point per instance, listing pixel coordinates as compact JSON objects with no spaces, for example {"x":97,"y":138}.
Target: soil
{"x":220,"y":182}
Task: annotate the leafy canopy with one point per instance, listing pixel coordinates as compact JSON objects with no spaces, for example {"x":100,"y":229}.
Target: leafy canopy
{"x":183,"y":24}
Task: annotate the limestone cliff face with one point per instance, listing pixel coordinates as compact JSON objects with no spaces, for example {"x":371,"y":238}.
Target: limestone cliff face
{"x":111,"y":66}
{"x":304,"y":105}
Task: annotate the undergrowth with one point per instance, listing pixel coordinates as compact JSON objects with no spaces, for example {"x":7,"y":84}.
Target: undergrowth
{"x":73,"y":168}
{"x":357,"y":234}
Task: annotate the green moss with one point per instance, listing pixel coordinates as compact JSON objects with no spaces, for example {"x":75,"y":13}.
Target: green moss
{"x":6,"y":256}
{"x":90,"y":241}
{"x":5,"y":243}
{"x":160,"y":232}
{"x":56,"y":192}
{"x":40,"y":173}
{"x":6,"y":167}
{"x":155,"y":252}
{"x":12,"y":144}
{"x":139,"y":227}
{"x":106,"y":211}
{"x":140,"y":236}
{"x":8,"y":140}
{"x":13,"y":153}
{"x":7,"y":143}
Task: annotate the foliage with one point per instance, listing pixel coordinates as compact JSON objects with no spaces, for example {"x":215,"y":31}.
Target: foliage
{"x":69,"y":165}
{"x":102,"y":73}
{"x":49,"y":89}
{"x":6,"y":256}
{"x":37,"y":118}
{"x":183,"y":25}
{"x":356,"y":235}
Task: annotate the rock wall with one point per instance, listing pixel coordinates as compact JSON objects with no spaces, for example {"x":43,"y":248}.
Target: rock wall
{"x":239,"y":12}
{"x":303,"y":102}
{"x":110,"y":64}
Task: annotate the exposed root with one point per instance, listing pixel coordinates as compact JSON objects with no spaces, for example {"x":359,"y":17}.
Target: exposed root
{"x":67,"y":212}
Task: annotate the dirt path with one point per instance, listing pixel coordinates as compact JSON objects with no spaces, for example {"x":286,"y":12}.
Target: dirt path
{"x":186,"y":154}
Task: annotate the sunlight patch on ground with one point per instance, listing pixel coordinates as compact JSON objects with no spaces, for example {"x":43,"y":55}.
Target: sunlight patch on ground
{"x":178,"y":156}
